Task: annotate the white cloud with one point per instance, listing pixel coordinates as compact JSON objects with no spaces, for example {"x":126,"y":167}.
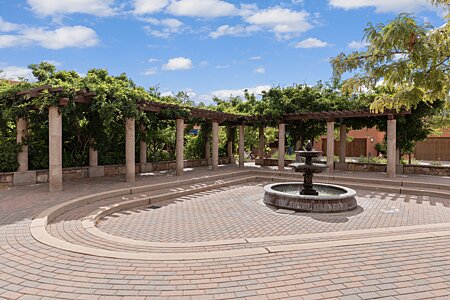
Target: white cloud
{"x":7,"y":41}
{"x":63,"y":37}
{"x":149,"y":6}
{"x":284,"y":22}
{"x":311,"y":43}
{"x":149,"y":72}
{"x":355,"y":45}
{"x":153,"y":60}
{"x":255,"y":57}
{"x":53,"y":62}
{"x":202,"y":8}
{"x":238,"y":30}
{"x":382,"y":6}
{"x":178,"y":63}
{"x":164,"y":27}
{"x":239,"y":92}
{"x":99,"y":8}
{"x":260,"y":70}
{"x":15,"y":73}
{"x":7,"y":26}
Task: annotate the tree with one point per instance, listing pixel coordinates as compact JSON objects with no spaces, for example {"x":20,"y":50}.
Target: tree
{"x":410,"y":60}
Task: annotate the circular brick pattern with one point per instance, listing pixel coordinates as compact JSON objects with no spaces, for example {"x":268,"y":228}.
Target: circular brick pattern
{"x":404,"y":269}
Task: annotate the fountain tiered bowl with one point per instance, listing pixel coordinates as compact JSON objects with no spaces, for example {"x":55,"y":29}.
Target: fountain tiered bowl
{"x":309,"y":196}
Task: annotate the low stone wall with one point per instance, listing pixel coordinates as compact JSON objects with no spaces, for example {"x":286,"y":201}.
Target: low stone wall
{"x":371,"y":167}
{"x":7,"y":178}
{"x":426,"y":170}
{"x":365,"y":167}
{"x":272,"y":162}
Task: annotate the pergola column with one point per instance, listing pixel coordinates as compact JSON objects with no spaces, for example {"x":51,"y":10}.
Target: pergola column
{"x":391,"y":146}
{"x":230,"y":146}
{"x":22,"y":133}
{"x":241,"y":146}
{"x":94,"y":169}
{"x":23,"y":176}
{"x":208,"y":150}
{"x":55,"y":149}
{"x":261,"y":142}
{"x":180,"y":147}
{"x":342,"y":147}
{"x":281,"y":143}
{"x":330,"y":145}
{"x":215,"y":145}
{"x":130,"y":152}
{"x":144,"y":167}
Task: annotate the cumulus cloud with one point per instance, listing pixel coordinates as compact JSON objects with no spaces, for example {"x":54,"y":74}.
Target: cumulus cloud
{"x":149,"y":6}
{"x":63,"y":37}
{"x":283,"y":21}
{"x":355,"y":45}
{"x":16,"y":73}
{"x":202,"y":8}
{"x":163,"y":28}
{"x":260,"y":70}
{"x":7,"y":26}
{"x":178,"y":63}
{"x":382,"y":6}
{"x":238,"y":30}
{"x":311,"y":43}
{"x":99,"y":8}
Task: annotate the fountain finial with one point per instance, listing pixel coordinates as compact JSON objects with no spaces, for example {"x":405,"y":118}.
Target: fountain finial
{"x":308,"y":146}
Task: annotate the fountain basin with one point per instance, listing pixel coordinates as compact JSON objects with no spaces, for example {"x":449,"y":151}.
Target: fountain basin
{"x":331,"y":199}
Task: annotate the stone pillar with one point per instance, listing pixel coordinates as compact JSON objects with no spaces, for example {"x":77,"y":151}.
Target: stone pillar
{"x":130,"y":151}
{"x":55,"y":149}
{"x":143,"y":146}
{"x":22,"y":156}
{"x":180,"y":147}
{"x":341,"y":165}
{"x":261,"y":142}
{"x":330,"y":146}
{"x":391,"y":146}
{"x":208,"y":150}
{"x":281,"y":143}
{"x":230,"y":146}
{"x":215,"y":145}
{"x":23,"y":176}
{"x":230,"y":152}
{"x":241,"y":146}
{"x":94,"y":169}
{"x":143,"y":165}
{"x":398,"y":162}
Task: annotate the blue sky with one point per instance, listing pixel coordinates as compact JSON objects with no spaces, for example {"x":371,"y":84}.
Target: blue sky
{"x":202,"y":47}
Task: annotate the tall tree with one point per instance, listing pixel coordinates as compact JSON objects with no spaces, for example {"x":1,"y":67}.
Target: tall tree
{"x":410,"y":60}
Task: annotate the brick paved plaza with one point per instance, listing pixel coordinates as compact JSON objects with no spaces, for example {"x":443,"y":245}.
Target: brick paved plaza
{"x":208,"y":235}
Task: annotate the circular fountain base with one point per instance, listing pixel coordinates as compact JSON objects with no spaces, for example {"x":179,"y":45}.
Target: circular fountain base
{"x":331,"y":199}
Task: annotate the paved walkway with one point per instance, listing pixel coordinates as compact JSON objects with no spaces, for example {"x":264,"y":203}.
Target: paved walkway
{"x":392,"y":246}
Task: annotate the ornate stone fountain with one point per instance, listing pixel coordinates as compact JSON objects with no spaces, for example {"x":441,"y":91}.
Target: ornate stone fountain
{"x":309,"y":197}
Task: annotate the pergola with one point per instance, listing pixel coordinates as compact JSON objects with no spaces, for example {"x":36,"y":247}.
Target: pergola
{"x":215,"y":117}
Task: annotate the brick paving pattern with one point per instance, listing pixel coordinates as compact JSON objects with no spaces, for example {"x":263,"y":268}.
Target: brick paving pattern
{"x":237,"y":213}
{"x":406,"y":269}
